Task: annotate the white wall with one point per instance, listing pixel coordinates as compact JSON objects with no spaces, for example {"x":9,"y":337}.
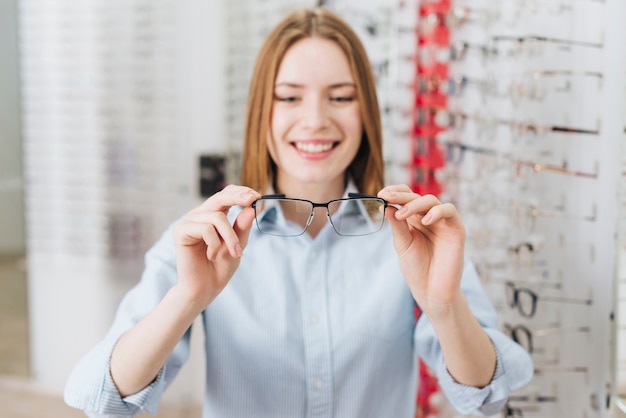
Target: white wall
{"x":11,"y":199}
{"x":72,"y":299}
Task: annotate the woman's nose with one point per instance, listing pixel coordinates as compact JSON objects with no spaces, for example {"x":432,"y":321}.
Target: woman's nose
{"x":316,"y":114}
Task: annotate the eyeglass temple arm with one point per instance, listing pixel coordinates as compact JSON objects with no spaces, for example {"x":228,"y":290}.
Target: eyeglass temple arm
{"x":273,"y":196}
{"x":361,"y":195}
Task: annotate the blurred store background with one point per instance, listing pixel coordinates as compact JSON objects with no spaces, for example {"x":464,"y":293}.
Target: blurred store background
{"x":117,"y":116}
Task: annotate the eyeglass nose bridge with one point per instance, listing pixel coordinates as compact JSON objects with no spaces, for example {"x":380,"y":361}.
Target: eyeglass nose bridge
{"x":310,"y":219}
{"x":328,"y":215}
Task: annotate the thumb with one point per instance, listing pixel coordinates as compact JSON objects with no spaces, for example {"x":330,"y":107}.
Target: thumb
{"x":400,"y":229}
{"x":243,"y":225}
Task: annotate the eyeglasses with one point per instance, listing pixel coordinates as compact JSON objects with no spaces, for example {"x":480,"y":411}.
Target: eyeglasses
{"x":511,"y":412}
{"x":524,"y":336}
{"x":356,"y":215}
{"x":525,"y":300}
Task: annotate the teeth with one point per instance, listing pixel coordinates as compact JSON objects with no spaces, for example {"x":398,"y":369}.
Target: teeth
{"x":314,"y":147}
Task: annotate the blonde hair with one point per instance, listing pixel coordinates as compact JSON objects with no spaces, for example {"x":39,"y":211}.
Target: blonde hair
{"x":257,"y":167}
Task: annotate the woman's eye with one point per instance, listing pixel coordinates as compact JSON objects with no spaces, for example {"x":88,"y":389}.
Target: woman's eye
{"x":342,"y":99}
{"x":288,"y":99}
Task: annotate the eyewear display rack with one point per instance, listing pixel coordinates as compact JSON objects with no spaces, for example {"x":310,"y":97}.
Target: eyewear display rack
{"x":533,"y":142}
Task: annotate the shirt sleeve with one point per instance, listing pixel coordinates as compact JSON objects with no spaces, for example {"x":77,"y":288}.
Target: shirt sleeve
{"x":90,"y":387}
{"x":514,"y":367}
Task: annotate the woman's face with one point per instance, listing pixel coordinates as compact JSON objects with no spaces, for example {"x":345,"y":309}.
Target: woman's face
{"x":316,"y":122}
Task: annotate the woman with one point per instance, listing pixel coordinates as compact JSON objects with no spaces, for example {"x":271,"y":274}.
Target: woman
{"x":300,"y":319}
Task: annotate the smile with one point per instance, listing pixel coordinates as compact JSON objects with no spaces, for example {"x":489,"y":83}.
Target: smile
{"x":314,"y":147}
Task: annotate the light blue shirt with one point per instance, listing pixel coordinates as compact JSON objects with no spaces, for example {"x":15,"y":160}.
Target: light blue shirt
{"x":307,"y":327}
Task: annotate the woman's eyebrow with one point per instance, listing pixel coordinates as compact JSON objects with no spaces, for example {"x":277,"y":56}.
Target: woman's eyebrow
{"x":343,"y":84}
{"x":288,"y":84}
{"x":298,"y":85}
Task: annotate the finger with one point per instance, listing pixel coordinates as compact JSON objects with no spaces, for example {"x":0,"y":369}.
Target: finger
{"x":234,"y":236}
{"x":229,"y":236}
{"x":242,"y":227}
{"x":399,"y":229}
{"x":396,"y":188}
{"x":190,"y":234}
{"x":212,"y":241}
{"x":399,"y":195}
{"x":416,"y":205}
{"x":212,"y":228}
{"x":443,"y":211}
{"x":230,"y":196}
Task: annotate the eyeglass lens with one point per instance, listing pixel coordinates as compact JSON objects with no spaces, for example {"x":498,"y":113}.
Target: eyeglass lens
{"x":358,"y":217}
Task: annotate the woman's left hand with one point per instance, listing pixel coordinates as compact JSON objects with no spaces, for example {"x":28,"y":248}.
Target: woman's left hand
{"x":429,"y":238}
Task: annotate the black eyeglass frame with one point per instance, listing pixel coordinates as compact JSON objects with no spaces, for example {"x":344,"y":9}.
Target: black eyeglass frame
{"x":513,"y":293}
{"x":351,"y":196}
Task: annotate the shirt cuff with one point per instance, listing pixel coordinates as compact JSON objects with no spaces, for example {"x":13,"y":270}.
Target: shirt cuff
{"x":514,"y":369}
{"x":146,"y":399}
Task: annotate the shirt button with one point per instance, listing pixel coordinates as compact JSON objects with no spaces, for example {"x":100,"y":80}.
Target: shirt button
{"x":318,"y":384}
{"x":315,"y":319}
{"x":313,"y":255}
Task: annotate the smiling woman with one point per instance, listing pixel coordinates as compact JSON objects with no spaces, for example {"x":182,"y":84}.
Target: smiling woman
{"x":329,"y":278}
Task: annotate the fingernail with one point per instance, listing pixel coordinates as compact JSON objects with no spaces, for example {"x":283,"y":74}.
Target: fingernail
{"x":248,"y":194}
{"x":238,"y":250}
{"x":426,"y":219}
{"x":402,"y":210}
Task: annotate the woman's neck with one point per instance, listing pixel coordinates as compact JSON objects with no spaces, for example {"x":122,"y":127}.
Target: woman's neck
{"x":315,"y":192}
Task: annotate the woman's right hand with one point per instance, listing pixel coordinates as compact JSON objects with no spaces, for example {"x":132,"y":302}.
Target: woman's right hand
{"x":208,"y":247}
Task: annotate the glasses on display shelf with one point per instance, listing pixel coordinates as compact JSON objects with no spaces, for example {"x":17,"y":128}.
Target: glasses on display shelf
{"x":460,"y":15}
{"x":525,"y":300}
{"x":535,"y":44}
{"x":356,"y":215}
{"x":532,"y":86}
{"x":426,"y":153}
{"x":526,"y":337}
{"x":525,"y":251}
{"x":457,"y":149}
{"x":457,"y":51}
{"x":456,"y":17}
{"x":533,"y":398}
{"x":375,"y":23}
{"x":488,"y":201}
{"x":381,"y":70}
{"x":425,"y":181}
{"x":453,"y":86}
{"x":530,"y":46}
{"x":526,"y":86}
{"x":538,"y":277}
{"x":553,"y":7}
{"x":517,"y":411}
{"x":525,"y":217}
{"x":511,"y":412}
{"x":556,"y":369}
{"x":487,"y":125}
{"x":456,"y":152}
{"x":537,"y":130}
{"x":535,"y":167}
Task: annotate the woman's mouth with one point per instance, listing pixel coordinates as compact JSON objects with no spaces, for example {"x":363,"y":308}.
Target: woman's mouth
{"x":314,"y":147}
